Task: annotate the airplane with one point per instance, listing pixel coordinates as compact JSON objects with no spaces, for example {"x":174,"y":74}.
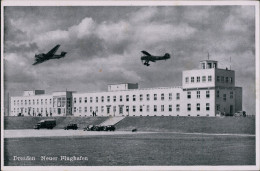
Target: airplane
{"x":50,"y":55}
{"x":148,"y":57}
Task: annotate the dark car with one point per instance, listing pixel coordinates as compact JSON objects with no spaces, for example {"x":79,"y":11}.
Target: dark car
{"x":110,"y":128}
{"x":71,"y":126}
{"x":47,"y":123}
{"x":89,"y":128}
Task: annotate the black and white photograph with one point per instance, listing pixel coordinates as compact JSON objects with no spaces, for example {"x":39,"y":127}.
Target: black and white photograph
{"x":162,"y":85}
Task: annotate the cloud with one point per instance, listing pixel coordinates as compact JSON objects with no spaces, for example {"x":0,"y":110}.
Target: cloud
{"x":104,"y":44}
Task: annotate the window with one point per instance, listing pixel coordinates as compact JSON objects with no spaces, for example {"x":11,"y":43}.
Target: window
{"x":91,"y":109}
{"x":207,"y":94}
{"x":155,"y":96}
{"x":147,"y":97}
{"x":209,"y":78}
{"x":231,"y":80}
{"x":102,"y":98}
{"x":127,"y":108}
{"x":108,"y":98}
{"x":222,"y":79}
{"x":226,"y":79}
{"x":50,"y":101}
{"x":207,"y":107}
{"x":189,"y":107}
{"x":121,"y":98}
{"x":198,"y":107}
{"x":155,"y":108}
{"x":21,"y":102}
{"x":218,"y":79}
{"x":147,"y":108}
{"x":198,"y":79}
{"x":217,"y":93}
{"x":75,"y":109}
{"x":127,"y":98}
{"x":41,"y":101}
{"x":141,"y":108}
{"x":17,"y":102}
{"x":29,"y":101}
{"x":37,"y":101}
{"x":177,"y":107}
{"x":224,"y":97}
{"x":198,"y":94}
{"x":187,"y":79}
{"x":25,"y":102}
{"x":114,"y":108}
{"x":114,"y":98}
{"x":34,"y":101}
{"x":203,"y":78}
{"x":79,"y":109}
{"x":91,"y":99}
{"x":162,"y":108}
{"x":96,"y":99}
{"x":188,"y":94}
{"x":231,"y":95}
{"x":218,"y":107}
{"x":80,"y":99}
{"x":86,"y":99}
{"x":170,"y":96}
{"x":170,"y":108}
{"x":75,"y":100}
{"x":85,"y":109}
{"x":96,"y":108}
{"x":102,"y":109}
{"x":162,"y":96}
{"x":133,"y":108}
{"x":134,"y":96}
{"x":192,"y":79}
{"x":177,"y":96}
{"x":14,"y":102}
{"x":141,"y":97}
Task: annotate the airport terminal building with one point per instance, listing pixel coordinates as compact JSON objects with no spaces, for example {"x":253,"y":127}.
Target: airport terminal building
{"x":207,"y":91}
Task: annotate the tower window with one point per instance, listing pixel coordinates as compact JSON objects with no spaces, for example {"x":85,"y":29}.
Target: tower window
{"x":188,"y":94}
{"x":155,"y":96}
{"x":198,"y":94}
{"x":198,"y":107}
{"x":187,"y":79}
{"x":189,"y":107}
{"x":203,"y":78}
{"x":162,"y":96}
{"x":209,"y":78}
{"x":192,"y":79}
{"x":207,"y":107}
{"x":207,"y":94}
{"x":155,"y":108}
{"x":198,"y":79}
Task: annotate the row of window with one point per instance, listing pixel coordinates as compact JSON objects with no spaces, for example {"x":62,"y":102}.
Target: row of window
{"x":198,"y":94}
{"x":231,"y":95}
{"x":59,"y":102}
{"x":127,"y":98}
{"x":223,"y":79}
{"x":141,"y":108}
{"x":198,"y":79}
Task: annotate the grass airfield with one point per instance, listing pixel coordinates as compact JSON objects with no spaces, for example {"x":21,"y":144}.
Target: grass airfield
{"x":147,"y":147}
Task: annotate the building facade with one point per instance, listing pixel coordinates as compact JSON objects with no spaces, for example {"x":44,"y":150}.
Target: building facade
{"x":207,"y":91}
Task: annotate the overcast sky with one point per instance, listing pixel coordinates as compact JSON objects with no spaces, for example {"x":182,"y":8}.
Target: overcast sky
{"x":104,"y":44}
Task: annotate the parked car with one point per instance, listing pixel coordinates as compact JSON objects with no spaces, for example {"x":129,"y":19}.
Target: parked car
{"x":100,"y":128}
{"x":89,"y":128}
{"x":110,"y":128}
{"x":47,"y":123}
{"x":71,"y":126}
{"x":240,"y":113}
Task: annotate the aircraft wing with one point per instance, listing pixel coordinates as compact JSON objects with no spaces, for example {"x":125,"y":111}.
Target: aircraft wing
{"x":53,"y":51}
{"x":146,"y":53}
